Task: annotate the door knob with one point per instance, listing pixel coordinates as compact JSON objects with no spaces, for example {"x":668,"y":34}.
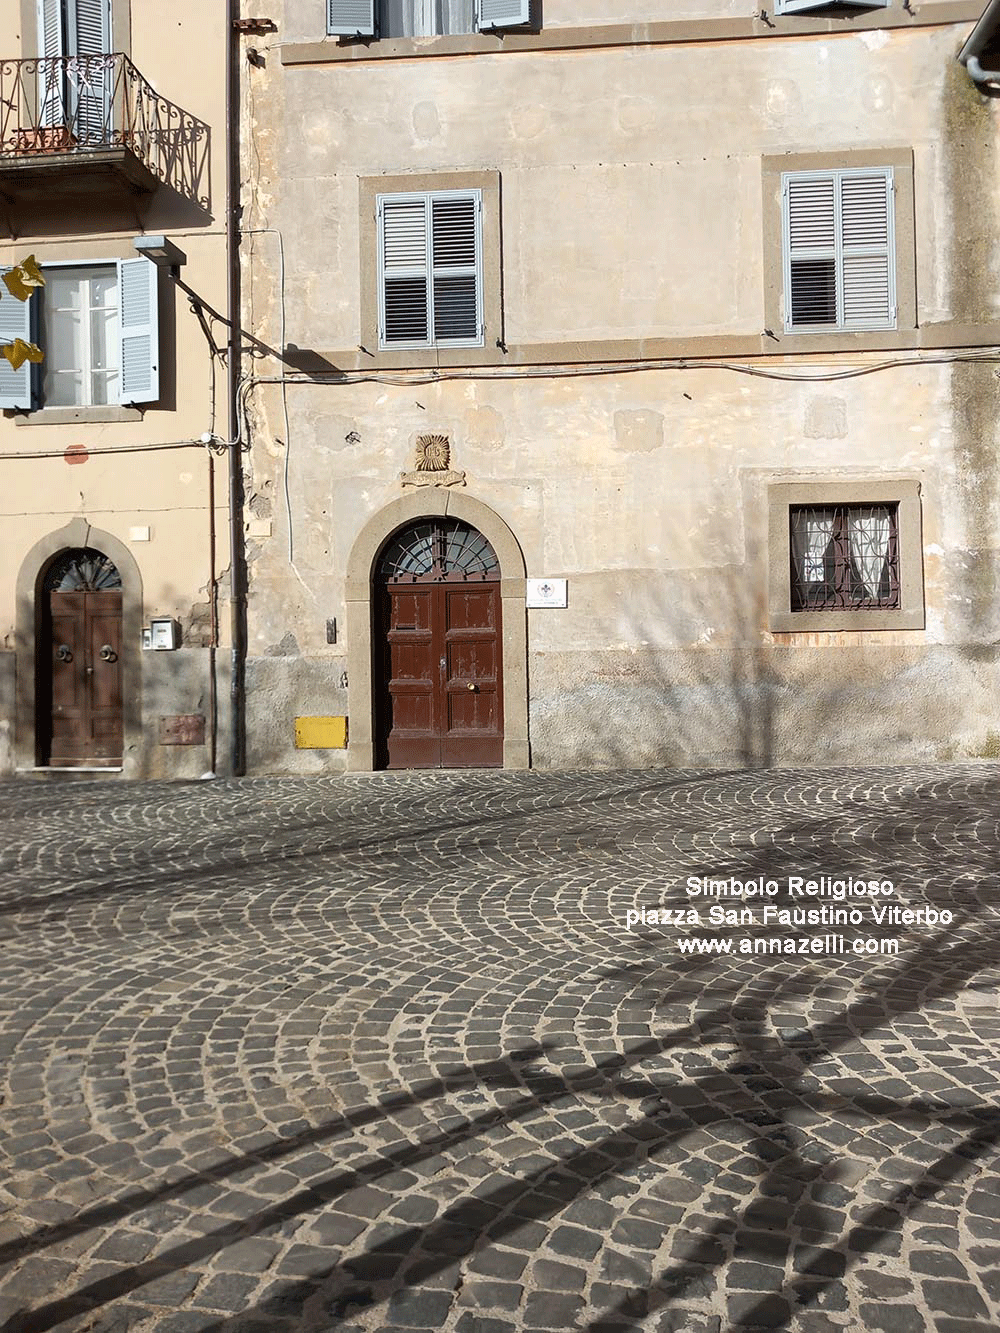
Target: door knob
{"x":471,"y":686}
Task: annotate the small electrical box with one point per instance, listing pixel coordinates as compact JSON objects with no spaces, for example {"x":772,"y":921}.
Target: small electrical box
{"x":164,"y":634}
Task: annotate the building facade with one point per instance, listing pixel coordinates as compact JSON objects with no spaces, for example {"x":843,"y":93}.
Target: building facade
{"x":114,"y":495}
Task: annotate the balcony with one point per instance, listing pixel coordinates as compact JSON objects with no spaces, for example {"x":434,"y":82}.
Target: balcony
{"x":72,"y":125}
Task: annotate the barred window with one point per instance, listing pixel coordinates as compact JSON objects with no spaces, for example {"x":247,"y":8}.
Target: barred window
{"x":844,"y":557}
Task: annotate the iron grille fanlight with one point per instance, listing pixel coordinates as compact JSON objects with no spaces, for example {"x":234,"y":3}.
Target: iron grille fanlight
{"x":435,"y":551}
{"x":82,"y":570}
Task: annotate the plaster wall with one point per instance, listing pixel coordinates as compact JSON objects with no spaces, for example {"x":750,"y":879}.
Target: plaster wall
{"x":633,"y":208}
{"x":666,"y":193}
{"x":128,"y":481}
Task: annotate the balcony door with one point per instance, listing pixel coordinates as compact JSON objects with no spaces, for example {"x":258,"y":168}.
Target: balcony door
{"x":76,"y":76}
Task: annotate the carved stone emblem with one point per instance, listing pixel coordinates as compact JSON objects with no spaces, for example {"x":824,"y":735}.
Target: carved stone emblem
{"x":432,"y":464}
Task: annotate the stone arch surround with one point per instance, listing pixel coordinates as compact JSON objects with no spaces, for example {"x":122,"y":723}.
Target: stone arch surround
{"x":431,"y":503}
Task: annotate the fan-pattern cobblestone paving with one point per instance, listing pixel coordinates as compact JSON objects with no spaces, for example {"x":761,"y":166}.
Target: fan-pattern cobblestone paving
{"x":383,"y":1053}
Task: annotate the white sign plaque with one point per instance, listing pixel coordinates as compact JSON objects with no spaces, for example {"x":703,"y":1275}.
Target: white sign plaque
{"x":547,"y":592}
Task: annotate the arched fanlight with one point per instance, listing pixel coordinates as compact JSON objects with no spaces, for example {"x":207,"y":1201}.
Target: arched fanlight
{"x":438,"y":550}
{"x":82,"y":570}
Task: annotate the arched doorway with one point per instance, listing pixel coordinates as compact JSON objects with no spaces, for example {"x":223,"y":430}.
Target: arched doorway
{"x":438,"y":660}
{"x":78,"y":699}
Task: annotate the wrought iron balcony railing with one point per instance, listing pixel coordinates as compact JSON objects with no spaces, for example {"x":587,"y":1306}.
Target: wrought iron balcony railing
{"x":80,"y":105}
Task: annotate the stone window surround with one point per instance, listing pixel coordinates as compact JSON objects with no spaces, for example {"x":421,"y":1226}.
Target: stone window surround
{"x":772,"y":169}
{"x":815,"y":490}
{"x":361,"y":565}
{"x":488,"y":182}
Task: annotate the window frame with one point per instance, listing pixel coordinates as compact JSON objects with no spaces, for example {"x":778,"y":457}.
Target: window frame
{"x":839,"y":258}
{"x":427,"y":271}
{"x":823,"y":338}
{"x":905,"y":493}
{"x":140,"y":356}
{"x":359,"y":19}
{"x":45,"y":336}
{"x":487,"y":349}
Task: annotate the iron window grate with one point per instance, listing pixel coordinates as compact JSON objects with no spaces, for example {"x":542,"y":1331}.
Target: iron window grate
{"x":844,"y":557}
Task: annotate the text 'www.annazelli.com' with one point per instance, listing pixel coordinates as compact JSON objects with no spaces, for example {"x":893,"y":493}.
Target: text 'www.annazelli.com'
{"x":787,"y":944}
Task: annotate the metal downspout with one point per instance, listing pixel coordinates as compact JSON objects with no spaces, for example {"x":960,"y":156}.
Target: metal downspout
{"x":237,"y":568}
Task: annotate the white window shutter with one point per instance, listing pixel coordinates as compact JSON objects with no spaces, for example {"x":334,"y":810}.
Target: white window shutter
{"x":403,"y":269}
{"x":140,"y":352}
{"x":51,"y":45}
{"x":810,"y":244}
{"x":867,"y":237}
{"x":90,"y":27}
{"x":15,"y":322}
{"x":50,"y":30}
{"x":455,"y":258}
{"x":350,"y":18}
{"x":502,"y":14}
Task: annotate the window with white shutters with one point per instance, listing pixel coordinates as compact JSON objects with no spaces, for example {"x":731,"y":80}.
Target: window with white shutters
{"x":423,"y":18}
{"x":97,"y":325}
{"x":430,"y":269}
{"x":839,"y":256}
{"x":810,"y":6}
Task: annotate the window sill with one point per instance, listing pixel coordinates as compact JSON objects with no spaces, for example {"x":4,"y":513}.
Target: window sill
{"x":813,"y":622}
{"x":76,"y":416}
{"x":331,"y":49}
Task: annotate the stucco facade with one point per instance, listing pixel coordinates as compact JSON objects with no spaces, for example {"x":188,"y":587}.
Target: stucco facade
{"x":636,"y":402}
{"x":131,"y":145}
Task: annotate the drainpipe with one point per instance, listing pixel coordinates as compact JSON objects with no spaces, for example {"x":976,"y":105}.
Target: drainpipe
{"x":237,"y":565}
{"x":979,"y":74}
{"x":981,"y":34}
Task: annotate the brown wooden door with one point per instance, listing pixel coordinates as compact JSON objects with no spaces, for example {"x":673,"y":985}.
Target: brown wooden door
{"x":84,"y":706}
{"x":438,"y":678}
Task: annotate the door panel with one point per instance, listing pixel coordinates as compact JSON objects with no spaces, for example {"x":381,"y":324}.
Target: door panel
{"x":413,"y":740}
{"x":66,"y":650}
{"x":473,"y":733}
{"x":104,"y":634}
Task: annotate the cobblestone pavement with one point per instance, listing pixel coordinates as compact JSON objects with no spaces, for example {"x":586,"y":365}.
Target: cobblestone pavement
{"x":382,"y":1053}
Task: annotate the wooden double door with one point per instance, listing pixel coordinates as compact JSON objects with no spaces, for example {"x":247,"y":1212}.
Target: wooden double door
{"x":80,"y":712}
{"x":440,"y":688}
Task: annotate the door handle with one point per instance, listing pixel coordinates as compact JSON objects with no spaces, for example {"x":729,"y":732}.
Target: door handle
{"x":108,"y":654}
{"x":472,"y":686}
{"x":64,"y":652}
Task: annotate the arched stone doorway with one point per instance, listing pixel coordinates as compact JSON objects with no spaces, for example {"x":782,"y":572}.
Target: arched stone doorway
{"x":366,"y":601}
{"x":78,"y":704}
{"x":79,"y":590}
{"x":437,"y":670}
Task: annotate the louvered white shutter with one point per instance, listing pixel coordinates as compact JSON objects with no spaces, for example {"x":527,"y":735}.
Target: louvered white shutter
{"x":839,"y":250}
{"x":810,"y":229}
{"x":350,"y":18}
{"x":140,"y":356}
{"x":51,"y":45}
{"x":502,"y":14}
{"x":90,"y":82}
{"x":869,"y":297}
{"x":15,"y":322}
{"x":403,"y":286}
{"x":430,"y":269}
{"x":456,"y":293}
